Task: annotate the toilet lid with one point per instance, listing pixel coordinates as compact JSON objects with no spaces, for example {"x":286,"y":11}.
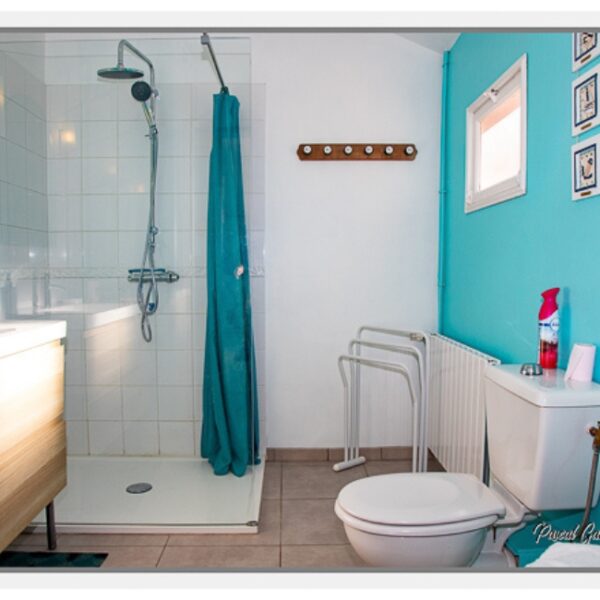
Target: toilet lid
{"x":419,"y":499}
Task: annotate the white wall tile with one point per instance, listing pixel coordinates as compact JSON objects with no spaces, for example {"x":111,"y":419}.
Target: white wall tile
{"x":75,"y":403}
{"x":77,"y":438}
{"x":173,"y":212}
{"x":131,"y":249}
{"x":65,"y":249}
{"x":106,"y":337}
{"x":74,"y":368}
{"x":134,"y":175}
{"x":104,"y":403}
{"x":199,"y":211}
{"x":174,"y":367}
{"x":99,"y":176}
{"x":103,"y":367}
{"x":202,"y":100}
{"x":175,"y":101}
{"x":138,"y":367}
{"x":140,"y":403}
{"x":106,"y":437}
{"x":199,"y":249}
{"x":199,"y":295}
{"x":173,"y":332}
{"x":100,"y":212}
{"x":63,"y":139}
{"x":63,"y":102}
{"x":15,"y":123}
{"x":100,"y":249}
{"x":174,"y":249}
{"x":101,"y":291}
{"x":175,"y":138}
{"x":99,"y":102}
{"x":64,"y":176}
{"x":175,"y":403}
{"x":133,"y":212}
{"x":201,"y":138}
{"x":176,"y":297}
{"x":99,"y":139}
{"x":176,"y":438}
{"x":198,"y":331}
{"x":133,"y":142}
{"x":174,"y":175}
{"x":141,"y":438}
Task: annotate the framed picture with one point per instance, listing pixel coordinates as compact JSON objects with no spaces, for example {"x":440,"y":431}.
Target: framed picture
{"x":586,"y":46}
{"x":585,"y":101}
{"x":584,"y":164}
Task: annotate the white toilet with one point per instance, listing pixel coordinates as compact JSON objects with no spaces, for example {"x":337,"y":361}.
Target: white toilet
{"x":540,"y":454}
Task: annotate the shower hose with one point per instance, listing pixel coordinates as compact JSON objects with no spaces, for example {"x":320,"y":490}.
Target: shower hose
{"x":147,"y":290}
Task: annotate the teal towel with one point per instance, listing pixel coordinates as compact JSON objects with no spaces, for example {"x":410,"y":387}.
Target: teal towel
{"x":230,"y":439}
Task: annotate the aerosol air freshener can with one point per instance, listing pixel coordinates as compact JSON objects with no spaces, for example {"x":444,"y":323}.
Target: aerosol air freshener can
{"x":548,"y":327}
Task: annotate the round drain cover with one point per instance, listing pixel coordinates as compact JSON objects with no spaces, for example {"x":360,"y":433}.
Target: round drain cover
{"x":139,"y":488}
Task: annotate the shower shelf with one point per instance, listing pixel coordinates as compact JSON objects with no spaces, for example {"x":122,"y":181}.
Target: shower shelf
{"x":160,"y":275}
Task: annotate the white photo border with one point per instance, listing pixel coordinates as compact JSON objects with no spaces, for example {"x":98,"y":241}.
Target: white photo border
{"x":580,"y":192}
{"x":582,"y":58}
{"x":579,"y":125}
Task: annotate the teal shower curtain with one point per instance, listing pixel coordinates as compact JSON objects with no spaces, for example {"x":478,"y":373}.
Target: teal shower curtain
{"x":230,"y":411}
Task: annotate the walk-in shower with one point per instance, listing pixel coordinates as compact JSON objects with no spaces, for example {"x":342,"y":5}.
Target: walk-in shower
{"x":134,"y":410}
{"x":147,"y":276}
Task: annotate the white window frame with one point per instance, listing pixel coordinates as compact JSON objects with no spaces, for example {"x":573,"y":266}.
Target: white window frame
{"x":475,"y":199}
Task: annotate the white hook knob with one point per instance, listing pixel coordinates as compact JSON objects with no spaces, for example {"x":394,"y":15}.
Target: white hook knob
{"x":389,"y":150}
{"x":368,"y":150}
{"x":409,"y":150}
{"x":327,"y":150}
{"x":348,"y":150}
{"x":307,"y":149}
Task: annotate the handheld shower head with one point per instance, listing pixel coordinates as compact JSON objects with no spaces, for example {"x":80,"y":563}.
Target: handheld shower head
{"x":142,"y":92}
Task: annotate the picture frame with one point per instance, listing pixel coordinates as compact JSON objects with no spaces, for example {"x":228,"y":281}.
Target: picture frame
{"x":586,"y":46}
{"x":584,"y":168}
{"x":585,"y":104}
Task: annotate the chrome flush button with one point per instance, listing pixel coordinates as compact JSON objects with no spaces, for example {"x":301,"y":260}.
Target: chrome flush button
{"x":531,"y":369}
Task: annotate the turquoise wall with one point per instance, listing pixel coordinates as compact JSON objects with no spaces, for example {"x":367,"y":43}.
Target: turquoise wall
{"x":498,"y":260}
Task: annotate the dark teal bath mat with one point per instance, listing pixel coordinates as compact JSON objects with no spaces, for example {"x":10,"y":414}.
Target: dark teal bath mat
{"x":44,"y":560}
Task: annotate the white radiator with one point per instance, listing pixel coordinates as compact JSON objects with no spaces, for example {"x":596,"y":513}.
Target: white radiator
{"x":456,"y":413}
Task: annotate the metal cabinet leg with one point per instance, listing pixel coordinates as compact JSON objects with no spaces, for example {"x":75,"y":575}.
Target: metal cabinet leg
{"x":50,"y":526}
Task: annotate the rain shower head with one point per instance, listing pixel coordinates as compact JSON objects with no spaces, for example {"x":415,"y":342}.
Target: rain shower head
{"x":120,"y":72}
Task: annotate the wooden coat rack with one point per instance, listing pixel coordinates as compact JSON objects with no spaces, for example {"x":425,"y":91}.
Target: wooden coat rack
{"x":357,"y":152}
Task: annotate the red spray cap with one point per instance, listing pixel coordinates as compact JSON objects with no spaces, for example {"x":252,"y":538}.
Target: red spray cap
{"x":549,"y":305}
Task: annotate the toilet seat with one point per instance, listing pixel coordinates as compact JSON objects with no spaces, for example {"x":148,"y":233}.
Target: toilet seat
{"x":418,"y":504}
{"x":414,"y":530}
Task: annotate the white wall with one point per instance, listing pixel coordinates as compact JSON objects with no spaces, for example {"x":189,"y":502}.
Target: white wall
{"x":346,"y":243}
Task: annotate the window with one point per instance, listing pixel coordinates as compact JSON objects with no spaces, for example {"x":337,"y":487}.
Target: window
{"x":497,"y":141}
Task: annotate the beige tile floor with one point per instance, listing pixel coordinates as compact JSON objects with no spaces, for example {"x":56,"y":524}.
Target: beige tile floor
{"x":298,"y":528}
